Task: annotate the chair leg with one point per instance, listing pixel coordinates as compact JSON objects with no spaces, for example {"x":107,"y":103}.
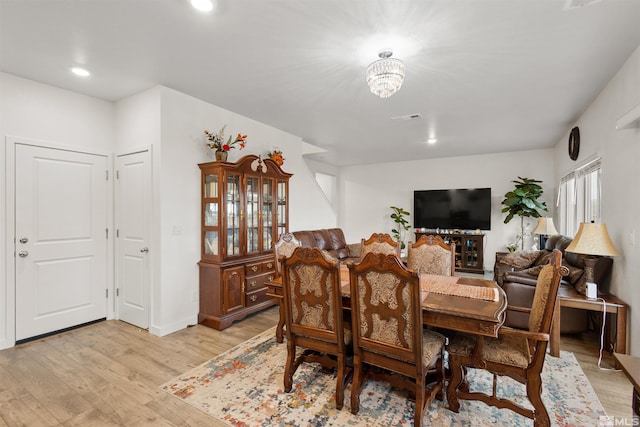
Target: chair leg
{"x":420,"y":399}
{"x":280,"y":326}
{"x":356,"y":385}
{"x":342,"y":367}
{"x":289,"y":366}
{"x":534,"y":393}
{"x":454,"y":383}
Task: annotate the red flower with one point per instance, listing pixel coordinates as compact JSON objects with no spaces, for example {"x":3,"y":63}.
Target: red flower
{"x":226,"y":147}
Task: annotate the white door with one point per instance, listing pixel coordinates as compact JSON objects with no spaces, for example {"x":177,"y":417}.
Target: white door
{"x":61,"y":218}
{"x":133,"y":219}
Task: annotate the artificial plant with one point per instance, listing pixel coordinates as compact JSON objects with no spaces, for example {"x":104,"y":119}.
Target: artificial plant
{"x":523,"y":201}
{"x":398,"y":217}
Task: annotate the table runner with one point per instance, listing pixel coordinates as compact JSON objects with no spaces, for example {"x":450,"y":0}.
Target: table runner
{"x":448,"y":285}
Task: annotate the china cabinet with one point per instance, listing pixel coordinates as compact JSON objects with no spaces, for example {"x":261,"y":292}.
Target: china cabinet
{"x":245,"y":207}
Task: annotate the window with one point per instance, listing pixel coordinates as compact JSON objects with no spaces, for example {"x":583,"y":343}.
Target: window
{"x":579,"y":197}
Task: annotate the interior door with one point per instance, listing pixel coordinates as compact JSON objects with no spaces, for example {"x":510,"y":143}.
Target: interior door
{"x":133,"y":219}
{"x":61,"y":200}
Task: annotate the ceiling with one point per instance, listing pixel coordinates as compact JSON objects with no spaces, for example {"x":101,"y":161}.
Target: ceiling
{"x":484,"y":76}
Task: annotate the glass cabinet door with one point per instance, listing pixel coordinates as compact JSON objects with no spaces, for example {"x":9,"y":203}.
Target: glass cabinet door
{"x":281,"y":213}
{"x":253,"y":213}
{"x":267,"y":214}
{"x":232,"y":194}
{"x":210,"y":219}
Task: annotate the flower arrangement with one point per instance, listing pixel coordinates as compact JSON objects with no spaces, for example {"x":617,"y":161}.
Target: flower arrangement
{"x":276,"y":156}
{"x":216,"y":140}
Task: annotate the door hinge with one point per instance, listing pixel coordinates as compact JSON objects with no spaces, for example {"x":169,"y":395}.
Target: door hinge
{"x":117,"y":174}
{"x":107,"y":175}
{"x":107,"y":296}
{"x":107,"y":231}
{"x":117,"y":292}
{"x":117,"y":232}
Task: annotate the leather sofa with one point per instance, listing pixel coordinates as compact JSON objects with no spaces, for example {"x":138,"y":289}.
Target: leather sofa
{"x":517,"y":274}
{"x":331,"y":240}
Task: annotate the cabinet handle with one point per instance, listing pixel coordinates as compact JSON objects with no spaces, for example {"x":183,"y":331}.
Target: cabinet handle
{"x":270,"y":278}
{"x":254,"y":268}
{"x":269,"y":265}
{"x":252,"y":283}
{"x":253,"y":298}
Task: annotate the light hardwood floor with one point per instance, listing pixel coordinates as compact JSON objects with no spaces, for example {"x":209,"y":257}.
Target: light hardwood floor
{"x":109,"y":373}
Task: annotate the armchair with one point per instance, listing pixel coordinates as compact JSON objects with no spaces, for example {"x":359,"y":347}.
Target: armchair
{"x":516,"y":353}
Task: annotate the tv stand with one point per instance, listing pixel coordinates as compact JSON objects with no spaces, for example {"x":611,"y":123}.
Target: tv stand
{"x":469,"y":249}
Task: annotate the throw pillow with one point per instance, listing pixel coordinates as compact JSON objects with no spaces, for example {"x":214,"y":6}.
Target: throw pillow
{"x":544,"y":258}
{"x":533,"y":271}
{"x":520,"y":260}
{"x":574,"y":272}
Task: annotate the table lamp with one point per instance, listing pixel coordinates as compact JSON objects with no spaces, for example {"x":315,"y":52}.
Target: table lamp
{"x":544,"y":229}
{"x":592,"y":240}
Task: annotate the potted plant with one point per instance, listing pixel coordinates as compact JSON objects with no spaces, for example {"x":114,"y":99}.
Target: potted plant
{"x":398,"y":217}
{"x":523,"y":201}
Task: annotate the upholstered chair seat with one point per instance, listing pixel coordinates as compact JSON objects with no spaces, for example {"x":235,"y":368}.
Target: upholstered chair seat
{"x":506,"y":350}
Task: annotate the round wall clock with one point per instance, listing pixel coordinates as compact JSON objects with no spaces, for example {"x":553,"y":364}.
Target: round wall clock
{"x":574,"y":143}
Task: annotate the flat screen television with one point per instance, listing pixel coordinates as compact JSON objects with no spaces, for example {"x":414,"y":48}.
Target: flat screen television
{"x":463,"y":209}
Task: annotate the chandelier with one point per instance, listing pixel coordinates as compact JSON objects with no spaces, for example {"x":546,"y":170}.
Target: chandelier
{"x":386,"y":75}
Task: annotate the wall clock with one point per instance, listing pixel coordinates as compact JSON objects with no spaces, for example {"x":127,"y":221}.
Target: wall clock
{"x":574,"y":143}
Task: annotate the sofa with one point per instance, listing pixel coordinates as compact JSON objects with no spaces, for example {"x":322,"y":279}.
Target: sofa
{"x":517,"y":274}
{"x":331,"y":240}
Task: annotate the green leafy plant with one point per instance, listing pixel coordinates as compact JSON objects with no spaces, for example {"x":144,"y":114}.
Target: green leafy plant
{"x":398,"y":216}
{"x":523,"y":201}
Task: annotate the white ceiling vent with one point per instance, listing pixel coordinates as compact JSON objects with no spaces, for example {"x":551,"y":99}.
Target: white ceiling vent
{"x":407,"y":117}
{"x":574,"y":4}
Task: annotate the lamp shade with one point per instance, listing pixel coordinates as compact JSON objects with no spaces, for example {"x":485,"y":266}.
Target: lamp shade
{"x":592,"y":239}
{"x":545,"y":227}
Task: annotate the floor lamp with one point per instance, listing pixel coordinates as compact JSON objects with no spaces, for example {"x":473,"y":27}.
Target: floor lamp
{"x":544,"y":229}
{"x":592,"y":240}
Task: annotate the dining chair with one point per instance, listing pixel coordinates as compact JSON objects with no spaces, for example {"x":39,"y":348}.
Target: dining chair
{"x":516,"y":353}
{"x":379,"y":243}
{"x":313,"y":316}
{"x":388,"y":336}
{"x":285,"y":246}
{"x":431,"y":255}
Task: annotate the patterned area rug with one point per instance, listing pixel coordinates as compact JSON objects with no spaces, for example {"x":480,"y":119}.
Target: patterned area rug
{"x":243,"y":387}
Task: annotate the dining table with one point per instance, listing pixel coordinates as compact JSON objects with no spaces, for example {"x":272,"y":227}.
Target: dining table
{"x":464,"y":304}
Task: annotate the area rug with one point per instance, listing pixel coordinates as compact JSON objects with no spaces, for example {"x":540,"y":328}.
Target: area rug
{"x":243,"y":387}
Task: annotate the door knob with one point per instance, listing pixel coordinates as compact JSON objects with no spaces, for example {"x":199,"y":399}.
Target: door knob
{"x":23,"y":240}
{"x":145,"y":249}
{"x":23,"y":253}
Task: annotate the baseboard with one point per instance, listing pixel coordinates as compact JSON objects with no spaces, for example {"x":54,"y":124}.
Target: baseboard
{"x":161,"y":331}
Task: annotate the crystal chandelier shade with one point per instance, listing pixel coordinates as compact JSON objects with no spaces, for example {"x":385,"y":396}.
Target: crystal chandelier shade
{"x":386,"y":75}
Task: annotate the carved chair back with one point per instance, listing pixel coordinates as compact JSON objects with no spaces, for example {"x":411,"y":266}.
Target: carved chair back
{"x":381,"y":243}
{"x":285,"y":246}
{"x":431,"y":255}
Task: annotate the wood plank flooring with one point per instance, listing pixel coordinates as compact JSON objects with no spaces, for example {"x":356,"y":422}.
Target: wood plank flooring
{"x":109,"y":373}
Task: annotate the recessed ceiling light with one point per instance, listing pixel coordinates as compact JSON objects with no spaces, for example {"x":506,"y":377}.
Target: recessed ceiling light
{"x":432,"y":141}
{"x":203,"y":5}
{"x":78,"y":71}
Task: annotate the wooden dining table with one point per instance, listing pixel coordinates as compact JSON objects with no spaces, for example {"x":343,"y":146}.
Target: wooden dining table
{"x":464,"y":304}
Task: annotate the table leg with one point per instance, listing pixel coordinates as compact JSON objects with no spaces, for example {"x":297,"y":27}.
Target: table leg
{"x":621,"y":332}
{"x":554,"y":339}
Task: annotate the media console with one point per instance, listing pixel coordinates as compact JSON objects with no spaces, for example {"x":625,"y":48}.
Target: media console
{"x":469,"y":249}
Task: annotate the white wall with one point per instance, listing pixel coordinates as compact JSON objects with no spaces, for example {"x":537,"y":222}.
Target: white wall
{"x":183,"y":119}
{"x":620,"y":152}
{"x":52,"y":117}
{"x":367,"y":191}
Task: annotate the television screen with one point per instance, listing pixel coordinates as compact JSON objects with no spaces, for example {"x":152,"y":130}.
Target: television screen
{"x":464,"y":209}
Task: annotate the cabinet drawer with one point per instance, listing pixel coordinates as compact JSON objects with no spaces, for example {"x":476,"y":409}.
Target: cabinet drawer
{"x":254,"y":298}
{"x":258,"y":282}
{"x":260,"y":267}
